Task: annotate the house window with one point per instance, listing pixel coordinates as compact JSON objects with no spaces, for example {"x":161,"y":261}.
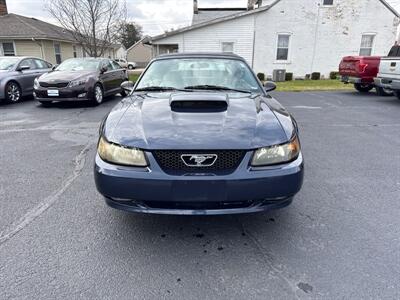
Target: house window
{"x":227,"y":47}
{"x":57,"y":51}
{"x":327,"y":2}
{"x":367,"y":43}
{"x":74,"y":50}
{"x":282,"y":52}
{"x":8,"y":49}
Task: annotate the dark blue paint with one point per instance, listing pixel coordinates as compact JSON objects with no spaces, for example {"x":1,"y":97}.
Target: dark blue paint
{"x":146,"y":121}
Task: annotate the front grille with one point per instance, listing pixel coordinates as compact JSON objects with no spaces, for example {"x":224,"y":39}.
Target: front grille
{"x":54,"y":85}
{"x":171,"y":162}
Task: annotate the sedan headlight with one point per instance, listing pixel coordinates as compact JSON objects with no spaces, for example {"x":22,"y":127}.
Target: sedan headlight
{"x":276,"y":154}
{"x":77,"y":82}
{"x":120,"y":155}
{"x":36,"y":83}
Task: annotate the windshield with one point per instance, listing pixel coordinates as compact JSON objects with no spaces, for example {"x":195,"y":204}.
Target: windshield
{"x":8,"y":63}
{"x":79,"y":65}
{"x":204,"y":73}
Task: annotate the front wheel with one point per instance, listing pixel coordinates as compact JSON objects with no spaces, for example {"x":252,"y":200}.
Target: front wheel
{"x":13,"y":92}
{"x":383,"y":92}
{"x":363,"y":87}
{"x":131,"y":67}
{"x":98,"y":94}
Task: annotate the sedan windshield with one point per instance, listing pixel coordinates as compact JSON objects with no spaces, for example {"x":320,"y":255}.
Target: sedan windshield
{"x":7,"y":63}
{"x":79,"y":64}
{"x":199,"y":73}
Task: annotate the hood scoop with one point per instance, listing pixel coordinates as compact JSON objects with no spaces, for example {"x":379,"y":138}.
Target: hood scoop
{"x":199,"y":103}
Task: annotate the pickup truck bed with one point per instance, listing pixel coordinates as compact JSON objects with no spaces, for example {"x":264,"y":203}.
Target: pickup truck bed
{"x":361,"y":71}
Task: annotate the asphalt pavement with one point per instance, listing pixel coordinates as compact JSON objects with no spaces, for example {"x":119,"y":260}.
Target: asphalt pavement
{"x":340,"y":239}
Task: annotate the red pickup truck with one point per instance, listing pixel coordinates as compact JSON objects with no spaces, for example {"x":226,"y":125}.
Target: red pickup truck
{"x":361,"y":70}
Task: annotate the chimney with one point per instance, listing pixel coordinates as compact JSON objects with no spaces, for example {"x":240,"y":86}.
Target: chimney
{"x":3,"y":8}
{"x":253,"y":4}
{"x":195,"y":7}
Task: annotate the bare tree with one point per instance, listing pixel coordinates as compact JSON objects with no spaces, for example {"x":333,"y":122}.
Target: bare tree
{"x":93,"y":23}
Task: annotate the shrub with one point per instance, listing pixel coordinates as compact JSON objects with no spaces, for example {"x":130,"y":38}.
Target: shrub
{"x":315,"y":76}
{"x":333,"y":75}
{"x":289,"y":77}
{"x":261,"y":76}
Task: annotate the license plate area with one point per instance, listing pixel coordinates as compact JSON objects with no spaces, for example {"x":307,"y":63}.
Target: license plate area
{"x":199,"y":191}
{"x":53,"y":93}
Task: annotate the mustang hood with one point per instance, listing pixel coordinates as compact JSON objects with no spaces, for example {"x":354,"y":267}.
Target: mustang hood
{"x":194,"y":121}
{"x":64,"y":76}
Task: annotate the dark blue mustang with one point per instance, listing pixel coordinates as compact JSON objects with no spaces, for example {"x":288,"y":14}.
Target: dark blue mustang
{"x":198,"y":135}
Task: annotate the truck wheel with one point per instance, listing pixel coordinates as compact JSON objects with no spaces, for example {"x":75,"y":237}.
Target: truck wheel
{"x":383,"y":92}
{"x":363,"y":87}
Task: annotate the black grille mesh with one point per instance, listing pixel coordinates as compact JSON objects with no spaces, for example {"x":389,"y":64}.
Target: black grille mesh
{"x":227,"y":160}
{"x":55,"y":85}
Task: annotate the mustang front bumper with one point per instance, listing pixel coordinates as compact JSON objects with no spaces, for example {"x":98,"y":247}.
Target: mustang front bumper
{"x":153,"y":191}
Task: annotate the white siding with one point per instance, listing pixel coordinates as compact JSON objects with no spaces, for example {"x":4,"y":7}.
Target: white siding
{"x":210,"y":38}
{"x":321,"y":36}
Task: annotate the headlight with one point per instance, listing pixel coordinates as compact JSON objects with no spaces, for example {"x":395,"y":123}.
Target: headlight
{"x":120,"y":155}
{"x":77,"y":82}
{"x":36,"y":83}
{"x":276,"y":154}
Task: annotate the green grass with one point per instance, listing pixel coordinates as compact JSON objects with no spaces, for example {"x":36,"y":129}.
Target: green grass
{"x":312,"y":85}
{"x":134,"y":77}
{"x":297,"y":85}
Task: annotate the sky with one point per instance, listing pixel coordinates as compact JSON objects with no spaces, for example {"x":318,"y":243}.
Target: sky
{"x":155,"y":16}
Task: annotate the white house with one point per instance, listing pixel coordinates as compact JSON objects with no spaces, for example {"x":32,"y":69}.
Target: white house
{"x":120,"y":52}
{"x":300,"y":36}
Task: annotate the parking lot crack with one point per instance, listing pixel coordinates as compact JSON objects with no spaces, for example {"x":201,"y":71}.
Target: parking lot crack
{"x":30,"y":216}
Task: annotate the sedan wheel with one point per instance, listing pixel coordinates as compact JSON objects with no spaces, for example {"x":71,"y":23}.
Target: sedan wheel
{"x":130,"y":67}
{"x":13,"y":92}
{"x":98,"y":94}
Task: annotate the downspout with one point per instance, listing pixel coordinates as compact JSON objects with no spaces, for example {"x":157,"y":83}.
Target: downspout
{"x":40,"y":46}
{"x":254,"y":42}
{"x":315,"y":40}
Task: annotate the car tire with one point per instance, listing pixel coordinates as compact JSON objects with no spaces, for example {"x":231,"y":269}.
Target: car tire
{"x":98,"y":94}
{"x":131,"y":67}
{"x":363,"y":87}
{"x":383,"y":92}
{"x":13,"y":92}
{"x":46,"y":103}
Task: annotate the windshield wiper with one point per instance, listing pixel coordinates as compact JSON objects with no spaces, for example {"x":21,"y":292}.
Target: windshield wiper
{"x":215,"y":88}
{"x":159,"y":88}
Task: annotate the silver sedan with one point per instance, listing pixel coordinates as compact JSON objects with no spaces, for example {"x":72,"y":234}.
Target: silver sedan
{"x":17,"y":75}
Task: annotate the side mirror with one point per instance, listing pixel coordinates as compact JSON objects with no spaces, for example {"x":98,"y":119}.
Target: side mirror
{"x":128,"y":86}
{"x":54,"y":67}
{"x":269,"y":86}
{"x":103,"y":70}
{"x":23,"y":68}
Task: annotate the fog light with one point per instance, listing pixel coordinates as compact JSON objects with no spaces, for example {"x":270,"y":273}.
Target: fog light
{"x":82,"y":95}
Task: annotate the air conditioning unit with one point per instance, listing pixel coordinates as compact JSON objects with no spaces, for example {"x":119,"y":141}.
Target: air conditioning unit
{"x":278,"y":75}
